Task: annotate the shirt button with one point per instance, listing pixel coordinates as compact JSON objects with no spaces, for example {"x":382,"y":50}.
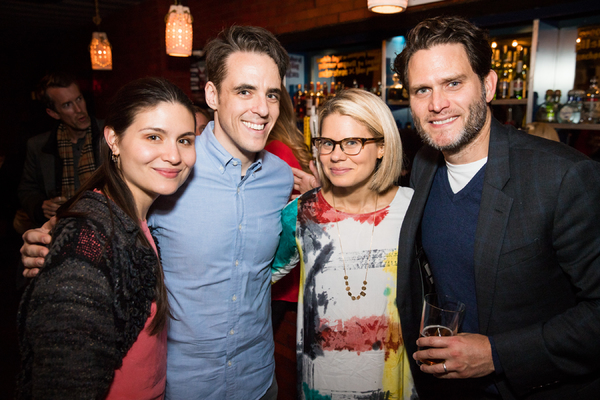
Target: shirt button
{"x":238,"y":190}
{"x":237,"y":263}
{"x":235,"y":163}
{"x":229,"y":363}
{"x":231,"y":332}
{"x":234,"y":298}
{"x":221,"y":168}
{"x":240,"y":227}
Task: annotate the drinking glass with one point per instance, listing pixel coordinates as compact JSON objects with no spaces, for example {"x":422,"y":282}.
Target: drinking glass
{"x":442,"y":316}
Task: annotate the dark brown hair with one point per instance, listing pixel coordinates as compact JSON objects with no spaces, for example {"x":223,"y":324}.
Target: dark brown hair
{"x":53,"y":80}
{"x":132,"y":99}
{"x":447,"y":30}
{"x":249,"y":39}
{"x":287,"y":132}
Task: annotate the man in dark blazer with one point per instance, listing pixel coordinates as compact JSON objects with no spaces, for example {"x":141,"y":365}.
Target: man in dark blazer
{"x":59,"y":159}
{"x":508,"y":223}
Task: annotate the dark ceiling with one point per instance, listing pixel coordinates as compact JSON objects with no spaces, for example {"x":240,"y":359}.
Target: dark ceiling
{"x":23,"y":16}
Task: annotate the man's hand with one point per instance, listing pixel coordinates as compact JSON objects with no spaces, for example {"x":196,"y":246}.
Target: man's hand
{"x":466,"y":355}
{"x":49,"y":207}
{"x":34,"y":249}
{"x":303,"y":182}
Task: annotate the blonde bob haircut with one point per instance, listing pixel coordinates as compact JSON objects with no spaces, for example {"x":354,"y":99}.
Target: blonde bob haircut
{"x":369,"y":110}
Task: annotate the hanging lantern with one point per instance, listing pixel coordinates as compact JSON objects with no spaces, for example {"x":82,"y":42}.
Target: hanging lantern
{"x":387,"y":6}
{"x":179,"y":34}
{"x":100,"y":52}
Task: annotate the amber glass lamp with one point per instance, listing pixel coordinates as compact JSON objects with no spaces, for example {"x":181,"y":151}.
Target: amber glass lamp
{"x":100,"y":49}
{"x":179,"y":33}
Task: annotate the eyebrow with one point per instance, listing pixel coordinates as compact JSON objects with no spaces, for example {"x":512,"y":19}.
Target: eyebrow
{"x":445,"y":80}
{"x":244,"y":86}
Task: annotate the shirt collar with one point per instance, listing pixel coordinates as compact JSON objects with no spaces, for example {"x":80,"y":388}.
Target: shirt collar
{"x":222,"y":156}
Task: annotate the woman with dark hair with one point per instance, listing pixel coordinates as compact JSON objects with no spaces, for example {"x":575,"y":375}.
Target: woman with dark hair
{"x":92,"y":324}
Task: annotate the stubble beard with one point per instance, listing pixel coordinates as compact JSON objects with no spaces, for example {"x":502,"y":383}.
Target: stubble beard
{"x":472,"y":129}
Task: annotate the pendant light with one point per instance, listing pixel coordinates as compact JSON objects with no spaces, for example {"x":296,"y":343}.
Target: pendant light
{"x":179,"y":33}
{"x":100,"y":49}
{"x":387,"y":6}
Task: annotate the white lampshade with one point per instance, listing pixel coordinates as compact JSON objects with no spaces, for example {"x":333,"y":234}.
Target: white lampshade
{"x":179,"y":34}
{"x":387,"y":6}
{"x":100,"y":52}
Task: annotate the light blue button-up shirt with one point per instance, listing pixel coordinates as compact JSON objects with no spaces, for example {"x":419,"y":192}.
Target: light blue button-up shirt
{"x":217,"y":236}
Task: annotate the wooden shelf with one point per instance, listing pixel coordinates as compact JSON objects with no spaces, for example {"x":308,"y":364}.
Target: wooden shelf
{"x":502,"y":102}
{"x":398,"y":102}
{"x":579,"y":127}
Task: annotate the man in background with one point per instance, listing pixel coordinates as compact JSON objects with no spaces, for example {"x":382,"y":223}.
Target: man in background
{"x":510,"y":225}
{"x":58,"y":161}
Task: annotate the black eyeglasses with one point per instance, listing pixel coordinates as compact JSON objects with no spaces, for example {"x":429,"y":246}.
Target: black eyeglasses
{"x":351,"y":146}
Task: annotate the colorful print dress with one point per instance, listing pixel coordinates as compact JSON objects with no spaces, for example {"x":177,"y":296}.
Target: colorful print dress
{"x":346,"y":349}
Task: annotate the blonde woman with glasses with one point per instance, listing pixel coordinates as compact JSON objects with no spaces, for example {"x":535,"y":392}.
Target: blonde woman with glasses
{"x":345,"y":235}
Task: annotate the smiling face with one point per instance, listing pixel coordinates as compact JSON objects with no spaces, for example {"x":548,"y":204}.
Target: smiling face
{"x":247,"y":104}
{"x":156,"y":153}
{"x":447,"y":99}
{"x":351,"y":173}
{"x":70,"y":107}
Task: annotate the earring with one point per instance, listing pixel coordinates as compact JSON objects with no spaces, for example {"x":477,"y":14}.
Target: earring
{"x":115,"y":158}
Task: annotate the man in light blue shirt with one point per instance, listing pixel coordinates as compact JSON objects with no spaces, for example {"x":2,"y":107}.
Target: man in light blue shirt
{"x":219,"y":232}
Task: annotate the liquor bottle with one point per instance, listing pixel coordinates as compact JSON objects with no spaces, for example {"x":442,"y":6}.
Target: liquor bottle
{"x":312,"y":94}
{"x":306,"y":127}
{"x":355,"y":84}
{"x":378,"y":93}
{"x":395,"y":91}
{"x":518,"y":82}
{"x":509,"y":117}
{"x":325,"y":91}
{"x":570,"y":112}
{"x":557,"y":104}
{"x":497,"y":66}
{"x":503,"y":89}
{"x":333,"y":89}
{"x":546,"y":111}
{"x":299,"y":103}
{"x":590,"y":113}
{"x":318,"y":95}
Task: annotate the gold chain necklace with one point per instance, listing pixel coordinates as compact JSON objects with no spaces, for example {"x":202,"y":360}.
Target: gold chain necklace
{"x":364,"y":287}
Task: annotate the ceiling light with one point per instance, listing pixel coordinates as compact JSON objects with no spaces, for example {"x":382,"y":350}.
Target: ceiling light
{"x":387,"y":6}
{"x":179,"y":33}
{"x":100,"y":48}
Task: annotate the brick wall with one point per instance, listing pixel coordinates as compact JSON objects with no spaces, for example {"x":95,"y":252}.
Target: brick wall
{"x":137,"y":34}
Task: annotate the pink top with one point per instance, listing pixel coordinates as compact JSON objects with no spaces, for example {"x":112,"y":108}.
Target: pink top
{"x":287,"y":288}
{"x":143,"y":374}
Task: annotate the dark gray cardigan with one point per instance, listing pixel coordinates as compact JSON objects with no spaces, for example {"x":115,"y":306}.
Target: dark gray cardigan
{"x":84,"y":311}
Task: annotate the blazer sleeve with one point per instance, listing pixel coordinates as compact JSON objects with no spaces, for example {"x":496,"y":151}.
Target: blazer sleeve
{"x":69,"y":327}
{"x":567,"y":344}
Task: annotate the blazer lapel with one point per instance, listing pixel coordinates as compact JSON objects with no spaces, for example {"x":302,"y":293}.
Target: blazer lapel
{"x":492,"y":222}
{"x":409,"y":277}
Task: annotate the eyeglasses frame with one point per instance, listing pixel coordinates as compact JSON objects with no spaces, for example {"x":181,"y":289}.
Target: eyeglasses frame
{"x":363,"y":141}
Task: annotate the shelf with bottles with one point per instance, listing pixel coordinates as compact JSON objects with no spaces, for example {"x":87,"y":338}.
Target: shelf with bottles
{"x":511,"y":62}
{"x":580,"y":112}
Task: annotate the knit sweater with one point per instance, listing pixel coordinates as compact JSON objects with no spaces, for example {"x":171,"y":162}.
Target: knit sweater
{"x":86,"y":308}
